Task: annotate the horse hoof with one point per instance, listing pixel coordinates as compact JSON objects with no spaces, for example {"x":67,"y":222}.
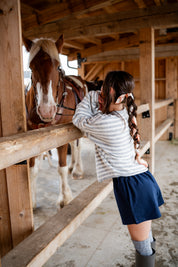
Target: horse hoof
{"x":77,"y":176}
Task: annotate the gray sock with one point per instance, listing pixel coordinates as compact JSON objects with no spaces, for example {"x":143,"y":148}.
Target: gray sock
{"x":143,"y":247}
{"x":151,"y":236}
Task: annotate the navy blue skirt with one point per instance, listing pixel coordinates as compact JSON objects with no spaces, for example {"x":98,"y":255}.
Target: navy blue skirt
{"x":138,"y":198}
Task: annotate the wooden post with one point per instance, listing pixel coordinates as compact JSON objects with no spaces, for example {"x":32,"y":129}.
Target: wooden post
{"x":15,"y":201}
{"x":171,"y":88}
{"x":81,"y":71}
{"x":147,"y":88}
{"x":176,"y":119}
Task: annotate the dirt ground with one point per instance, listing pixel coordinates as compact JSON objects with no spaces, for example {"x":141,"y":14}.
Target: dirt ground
{"x":102,"y":240}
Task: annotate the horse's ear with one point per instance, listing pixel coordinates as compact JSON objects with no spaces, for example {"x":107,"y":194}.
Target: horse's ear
{"x":59,"y":43}
{"x":27,"y":43}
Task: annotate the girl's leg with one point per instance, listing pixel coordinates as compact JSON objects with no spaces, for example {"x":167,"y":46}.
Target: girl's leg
{"x":140,"y":232}
{"x":140,"y":237}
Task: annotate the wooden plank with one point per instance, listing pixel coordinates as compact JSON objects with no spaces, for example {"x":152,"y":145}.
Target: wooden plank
{"x":145,"y":145}
{"x":61,"y":10}
{"x":140,"y":3}
{"x":42,"y":243}
{"x":16,"y":148}
{"x":142,"y":108}
{"x":20,"y":202}
{"x":171,"y":86}
{"x":132,"y":53}
{"x":176,"y":119}
{"x":163,"y":103}
{"x":92,"y":74}
{"x":121,"y":22}
{"x":147,"y":89}
{"x":13,"y":116}
{"x":125,"y":42}
{"x":171,"y":78}
{"x":162,"y":129}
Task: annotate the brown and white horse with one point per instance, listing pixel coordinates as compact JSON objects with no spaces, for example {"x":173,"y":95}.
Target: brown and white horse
{"x":52,"y":99}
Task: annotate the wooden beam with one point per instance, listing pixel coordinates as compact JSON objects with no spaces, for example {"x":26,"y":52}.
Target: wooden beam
{"x":74,"y":44}
{"x":171,"y":87}
{"x":42,"y":243}
{"x":126,"y":42}
{"x":163,"y":103}
{"x":171,"y":77}
{"x":93,"y":40}
{"x":131,"y":54}
{"x":91,"y":75}
{"x":145,"y":145}
{"x":142,"y":108}
{"x":63,"y":10}
{"x":16,"y":148}
{"x":13,"y":120}
{"x":157,"y":2}
{"x":160,"y":130}
{"x":131,"y":41}
{"x":121,"y":22}
{"x":147,"y":85}
{"x":176,"y":119}
{"x":140,"y":3}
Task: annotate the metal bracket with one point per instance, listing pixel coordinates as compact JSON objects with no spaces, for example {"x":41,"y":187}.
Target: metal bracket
{"x":24,"y":162}
{"x":148,"y":151}
{"x":80,"y":59}
{"x":146,"y":114}
{"x":171,"y":104}
{"x":170,"y":136}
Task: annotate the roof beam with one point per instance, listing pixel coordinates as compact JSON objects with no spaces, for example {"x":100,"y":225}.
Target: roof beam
{"x":125,"y":42}
{"x":113,"y":45}
{"x":132,"y":54}
{"x":130,"y":21}
{"x":62,"y":10}
{"x":140,"y":3}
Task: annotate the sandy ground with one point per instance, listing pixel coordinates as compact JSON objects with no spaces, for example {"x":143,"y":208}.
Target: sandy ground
{"x":102,"y":240}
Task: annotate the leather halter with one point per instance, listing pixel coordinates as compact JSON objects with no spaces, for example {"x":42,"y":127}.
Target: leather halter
{"x":64,"y":81}
{"x":62,"y":85}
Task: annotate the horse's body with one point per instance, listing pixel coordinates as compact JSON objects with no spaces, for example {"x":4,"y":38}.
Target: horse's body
{"x":52,"y":99}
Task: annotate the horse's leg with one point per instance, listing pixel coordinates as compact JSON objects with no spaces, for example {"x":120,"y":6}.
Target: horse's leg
{"x":65,"y":194}
{"x":77,"y":172}
{"x":72,"y":162}
{"x":34,"y":169}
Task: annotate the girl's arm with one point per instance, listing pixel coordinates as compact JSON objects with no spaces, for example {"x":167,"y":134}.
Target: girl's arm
{"x":87,"y":113}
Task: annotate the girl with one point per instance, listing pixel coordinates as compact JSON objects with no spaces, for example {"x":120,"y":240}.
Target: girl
{"x":108,"y":118}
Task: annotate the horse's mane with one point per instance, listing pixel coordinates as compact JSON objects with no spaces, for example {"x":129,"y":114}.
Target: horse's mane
{"x":47,"y":46}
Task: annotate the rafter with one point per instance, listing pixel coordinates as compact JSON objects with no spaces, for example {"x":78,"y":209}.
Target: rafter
{"x":64,"y":9}
{"x":131,"y":54}
{"x":124,"y":42}
{"x":74,"y":45}
{"x":157,"y":2}
{"x":118,"y":44}
{"x":157,"y":17}
{"x":140,"y":3}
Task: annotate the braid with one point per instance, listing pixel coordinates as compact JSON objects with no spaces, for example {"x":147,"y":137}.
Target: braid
{"x":132,"y":111}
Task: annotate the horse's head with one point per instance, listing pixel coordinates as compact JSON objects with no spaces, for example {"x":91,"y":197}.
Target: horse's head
{"x":44,"y":62}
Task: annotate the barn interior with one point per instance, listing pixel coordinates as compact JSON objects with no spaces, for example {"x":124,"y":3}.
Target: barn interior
{"x":137,"y":36}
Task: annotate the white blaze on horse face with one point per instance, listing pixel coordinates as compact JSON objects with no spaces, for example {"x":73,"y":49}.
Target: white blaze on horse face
{"x":46,"y":106}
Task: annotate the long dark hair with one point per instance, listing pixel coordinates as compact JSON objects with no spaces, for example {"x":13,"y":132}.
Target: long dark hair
{"x":122,"y":82}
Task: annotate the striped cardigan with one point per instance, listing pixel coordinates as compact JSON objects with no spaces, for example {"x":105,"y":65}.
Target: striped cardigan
{"x":114,"y":147}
